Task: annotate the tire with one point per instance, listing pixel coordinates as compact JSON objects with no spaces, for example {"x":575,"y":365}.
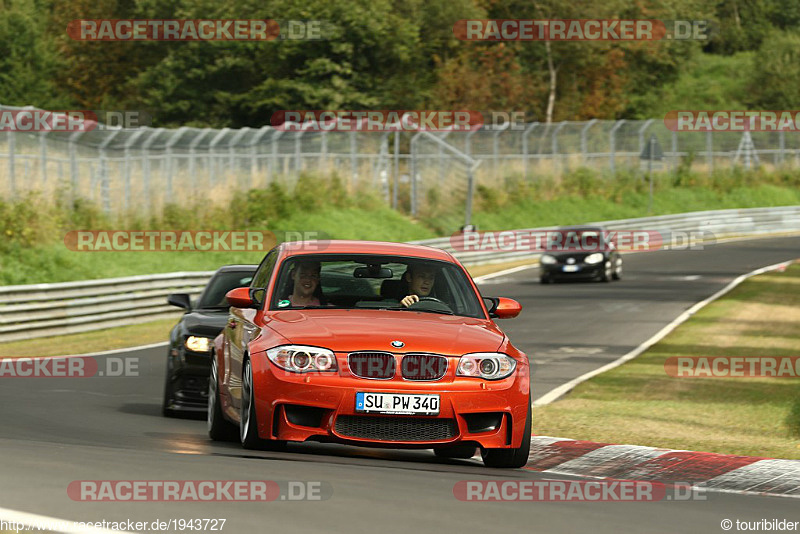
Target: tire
{"x":461,"y":451}
{"x":219,"y":429}
{"x":618,"y":270}
{"x":545,"y":280}
{"x":165,"y":410}
{"x":510,"y":458}
{"x":607,"y":274}
{"x":248,"y":423}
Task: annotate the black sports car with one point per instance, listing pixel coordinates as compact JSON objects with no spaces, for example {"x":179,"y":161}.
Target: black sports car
{"x":188,"y":363}
{"x":580,"y":253}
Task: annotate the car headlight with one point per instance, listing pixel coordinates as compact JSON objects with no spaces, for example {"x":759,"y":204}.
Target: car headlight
{"x":591,"y":259}
{"x":486,"y":365}
{"x":302,"y":359}
{"x":547,"y":259}
{"x":198,"y":344}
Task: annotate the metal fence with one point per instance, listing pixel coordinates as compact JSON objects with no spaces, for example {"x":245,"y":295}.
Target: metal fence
{"x":44,"y":310}
{"x":138,"y":171}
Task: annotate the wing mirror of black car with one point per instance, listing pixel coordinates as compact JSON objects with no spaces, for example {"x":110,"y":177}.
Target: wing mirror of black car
{"x":181,"y":300}
{"x":373,"y":271}
{"x":503,"y":308}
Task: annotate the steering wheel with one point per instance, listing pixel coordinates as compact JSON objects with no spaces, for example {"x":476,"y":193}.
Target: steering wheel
{"x":431,"y":299}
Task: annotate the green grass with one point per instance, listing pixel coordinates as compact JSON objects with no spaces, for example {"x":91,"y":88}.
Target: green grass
{"x":639,"y":403}
{"x":32,"y":229}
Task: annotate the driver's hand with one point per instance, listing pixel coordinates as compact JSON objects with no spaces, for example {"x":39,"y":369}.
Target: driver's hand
{"x":409,"y":300}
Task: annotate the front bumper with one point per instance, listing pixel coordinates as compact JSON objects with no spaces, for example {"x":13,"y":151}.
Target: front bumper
{"x":321,"y":407}
{"x":188,"y":380}
{"x":585,"y":271}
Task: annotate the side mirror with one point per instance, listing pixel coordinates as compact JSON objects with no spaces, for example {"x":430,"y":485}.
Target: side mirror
{"x":504,"y":308}
{"x":240,"y":298}
{"x":181,"y":300}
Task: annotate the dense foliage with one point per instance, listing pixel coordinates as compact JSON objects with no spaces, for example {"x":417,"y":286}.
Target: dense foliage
{"x":396,"y":54}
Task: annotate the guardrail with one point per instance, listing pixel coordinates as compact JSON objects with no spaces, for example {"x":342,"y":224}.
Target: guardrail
{"x":43,"y":310}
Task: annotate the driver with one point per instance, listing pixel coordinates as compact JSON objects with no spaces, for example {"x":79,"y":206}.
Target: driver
{"x":420,"y":279}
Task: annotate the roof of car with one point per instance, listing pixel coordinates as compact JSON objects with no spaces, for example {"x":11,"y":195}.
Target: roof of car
{"x":229,"y":268}
{"x":365,"y":247}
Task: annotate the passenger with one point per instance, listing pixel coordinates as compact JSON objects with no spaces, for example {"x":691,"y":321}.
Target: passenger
{"x":420,"y":279}
{"x":306,"y":291}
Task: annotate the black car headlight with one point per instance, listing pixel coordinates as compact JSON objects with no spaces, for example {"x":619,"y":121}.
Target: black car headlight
{"x":486,"y":365}
{"x":197,"y":344}
{"x":591,"y":259}
{"x":547,"y":259}
{"x":302,"y":359}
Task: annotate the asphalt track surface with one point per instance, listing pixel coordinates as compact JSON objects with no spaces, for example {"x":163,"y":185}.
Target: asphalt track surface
{"x":55,"y":431}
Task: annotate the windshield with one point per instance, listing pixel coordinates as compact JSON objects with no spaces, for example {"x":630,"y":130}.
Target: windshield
{"x":588,"y":240}
{"x":220,"y":284}
{"x":377,"y":282}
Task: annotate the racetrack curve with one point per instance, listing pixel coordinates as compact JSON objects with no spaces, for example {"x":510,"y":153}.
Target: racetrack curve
{"x":56,"y":431}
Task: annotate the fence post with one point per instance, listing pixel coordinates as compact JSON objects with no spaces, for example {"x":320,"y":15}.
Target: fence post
{"x":105,"y":193}
{"x":212,"y":147}
{"x":153,"y":135}
{"x":12,"y":178}
{"x":43,"y":156}
{"x":396,"y":168}
{"x":555,"y":143}
{"x":127,"y":155}
{"x":641,"y":133}
{"x":585,"y":142}
{"x":613,"y":142}
{"x":525,"y":150}
{"x":274,"y":159}
{"x":264,"y":130}
{"x":496,"y":147}
{"x":73,"y":164}
{"x":193,"y":157}
{"x":675,"y":156}
{"x":710,"y":151}
{"x":414,"y":173}
{"x":353,"y":160}
{"x":782,"y":143}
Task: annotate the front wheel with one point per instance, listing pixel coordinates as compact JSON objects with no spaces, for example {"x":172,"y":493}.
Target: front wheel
{"x":510,"y":458}
{"x":218,"y":428}
{"x":248,"y":425}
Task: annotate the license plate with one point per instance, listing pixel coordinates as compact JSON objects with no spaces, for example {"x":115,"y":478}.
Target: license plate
{"x":570,"y":268}
{"x":397,"y":403}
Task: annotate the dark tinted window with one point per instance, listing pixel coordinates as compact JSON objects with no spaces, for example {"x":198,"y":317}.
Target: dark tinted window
{"x":372,"y":281}
{"x":261,"y":279}
{"x":220,"y":284}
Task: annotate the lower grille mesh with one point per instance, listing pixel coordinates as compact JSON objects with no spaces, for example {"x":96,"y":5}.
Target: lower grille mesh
{"x":396,"y":428}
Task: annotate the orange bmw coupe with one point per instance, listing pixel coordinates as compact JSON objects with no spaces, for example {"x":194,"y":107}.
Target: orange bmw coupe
{"x":372,"y":344}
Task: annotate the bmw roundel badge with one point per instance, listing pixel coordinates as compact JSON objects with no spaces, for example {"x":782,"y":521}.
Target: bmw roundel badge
{"x":398,"y":344}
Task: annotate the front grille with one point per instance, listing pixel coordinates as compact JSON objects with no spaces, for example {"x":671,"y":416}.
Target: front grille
{"x":423,"y":367}
{"x":376,"y":365}
{"x":395,"y":428}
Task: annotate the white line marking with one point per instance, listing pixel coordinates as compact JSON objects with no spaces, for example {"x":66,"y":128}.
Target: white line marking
{"x":51,"y":523}
{"x":563,"y":389}
{"x":512,"y":270}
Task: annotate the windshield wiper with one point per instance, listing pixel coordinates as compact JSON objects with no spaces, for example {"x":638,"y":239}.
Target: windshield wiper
{"x":427,"y":310}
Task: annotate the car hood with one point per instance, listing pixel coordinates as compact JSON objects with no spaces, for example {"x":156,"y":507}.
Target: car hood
{"x":351,"y":330}
{"x":207,"y":323}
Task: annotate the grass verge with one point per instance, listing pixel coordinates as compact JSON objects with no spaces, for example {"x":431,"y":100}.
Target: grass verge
{"x":639,"y":403}
{"x":97,"y":341}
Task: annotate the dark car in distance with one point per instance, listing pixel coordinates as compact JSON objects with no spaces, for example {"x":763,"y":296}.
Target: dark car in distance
{"x":580,"y":253}
{"x":191,"y":340}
